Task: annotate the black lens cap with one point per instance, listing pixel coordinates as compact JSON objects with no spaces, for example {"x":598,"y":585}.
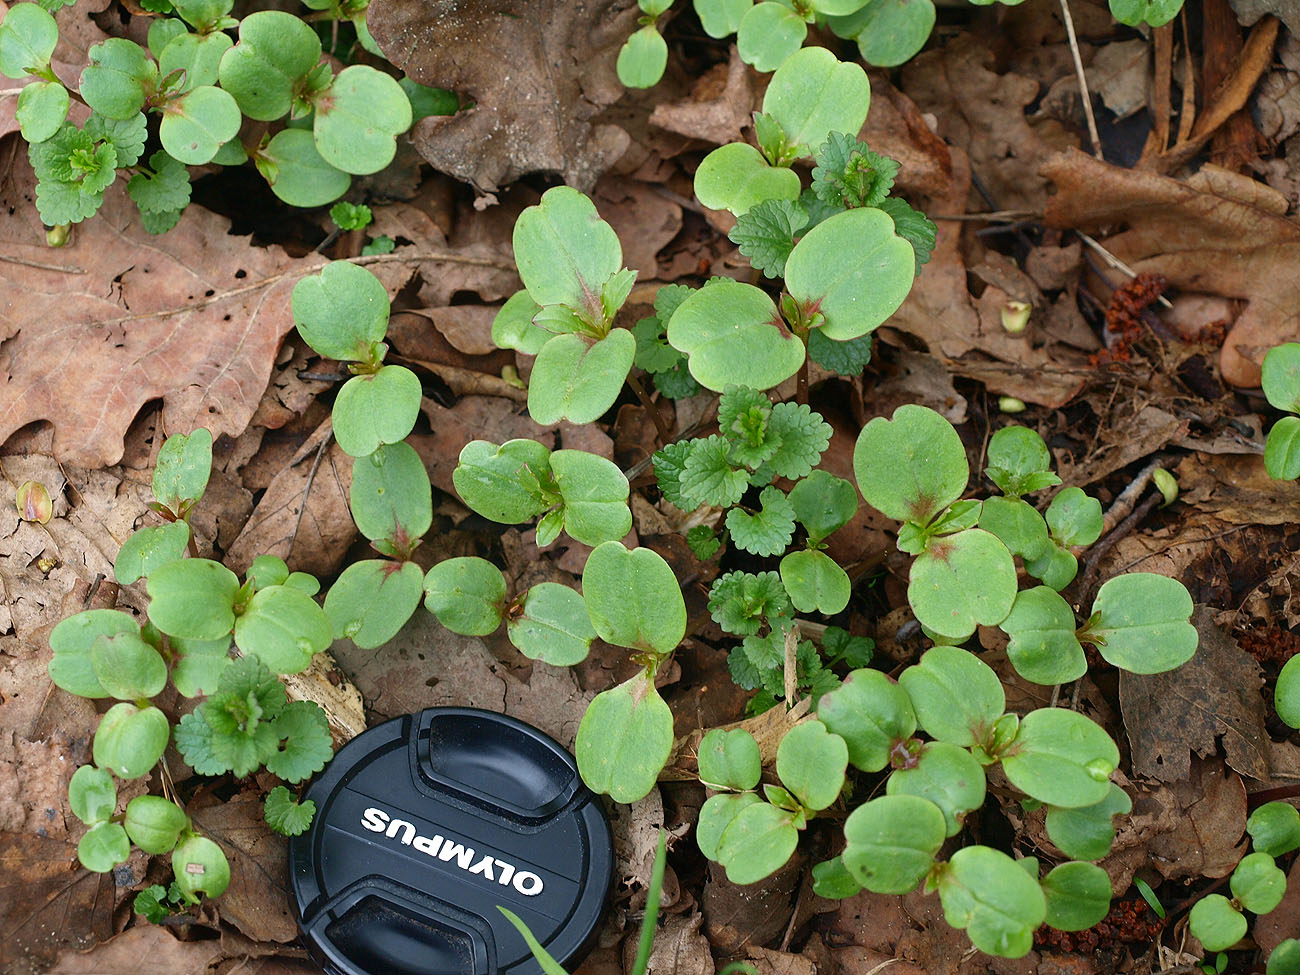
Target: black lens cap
{"x":428,"y":823}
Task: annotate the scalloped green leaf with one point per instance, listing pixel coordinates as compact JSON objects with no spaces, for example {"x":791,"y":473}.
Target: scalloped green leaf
{"x":734,"y":335}
{"x":359,"y":118}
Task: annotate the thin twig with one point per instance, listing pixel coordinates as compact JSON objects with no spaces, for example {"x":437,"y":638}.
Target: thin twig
{"x":65,"y":268}
{"x":665,"y":434}
{"x":1083,"y":80}
{"x":1088,"y":585}
{"x":1122,"y":506}
{"x":1115,"y":262}
{"x":311,"y":477}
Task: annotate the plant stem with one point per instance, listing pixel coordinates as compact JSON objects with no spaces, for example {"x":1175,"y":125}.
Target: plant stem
{"x":665,"y":434}
{"x":801,"y":389}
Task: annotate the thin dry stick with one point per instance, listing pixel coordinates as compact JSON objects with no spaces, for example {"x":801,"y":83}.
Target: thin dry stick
{"x":64,"y":268}
{"x":311,"y":477}
{"x":1083,"y":81}
{"x":1115,"y":262}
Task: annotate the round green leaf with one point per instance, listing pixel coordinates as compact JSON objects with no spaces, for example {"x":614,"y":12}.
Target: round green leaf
{"x":823,"y":503}
{"x":154,"y":823}
{"x":104,"y":846}
{"x":633,"y":598}
{"x":553,"y":626}
{"x":1087,"y":833}
{"x":1216,"y":923}
{"x":871,"y":713}
{"x":376,"y":409}
{"x":284,"y":627}
{"x":815,"y":582}
{"x":28,"y":35}
{"x":1286,"y":693}
{"x":1155,"y":13}
{"x":502,"y":483}
{"x":911,"y":467}
{"x":198,"y":55}
{"x":299,"y":176}
{"x":891,"y":842}
{"x":467,"y":595}
{"x":768,"y":34}
{"x":1144,"y":623}
{"x":359,"y":118}
{"x":1017,"y":524}
{"x":513,"y":327}
{"x":962,"y":581}
{"x":720,"y":18}
{"x":162,"y":31}
{"x":1017,"y":456}
{"x":1078,"y":896}
{"x":1056,"y":567}
{"x":390,"y":496}
{"x":757,"y":842}
{"x":1282,"y":449}
{"x":42,"y":107}
{"x":888,"y":32}
{"x":200,"y":868}
{"x":92,"y":795}
{"x":275,"y":52}
{"x":576,"y":379}
{"x":129,"y":740}
{"x":118,"y":78}
{"x":72,"y":639}
{"x":1274,"y":828}
{"x":642,"y":59}
{"x":372,"y":600}
{"x":565,"y":252}
{"x":148,"y":548}
{"x":1043,"y":648}
{"x":127,"y":667}
{"x":267,"y":570}
{"x":736,"y":177}
{"x":812,"y":94}
{"x":1074,"y":518}
{"x":810,"y":761}
{"x":184,"y":465}
{"x":342,"y":311}
{"x":204,"y":15}
{"x":832,"y":880}
{"x":946,"y":775}
{"x":1280,"y":375}
{"x":715,"y":816}
{"x":1257,"y":884}
{"x":730,"y":760}
{"x":733,"y":335}
{"x":624,"y":739}
{"x":1062,"y":758}
{"x":197,"y":664}
{"x":957,"y":697}
{"x":193,"y":599}
{"x":858,"y":295}
{"x":1285,"y":959}
{"x":995,"y":901}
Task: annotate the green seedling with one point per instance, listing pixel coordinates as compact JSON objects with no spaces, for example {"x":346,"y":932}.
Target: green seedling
{"x":1154,"y":13}
{"x":643,"y":57}
{"x":1281,"y":381}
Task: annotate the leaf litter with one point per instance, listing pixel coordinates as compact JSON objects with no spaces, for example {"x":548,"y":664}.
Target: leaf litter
{"x":977,"y":129}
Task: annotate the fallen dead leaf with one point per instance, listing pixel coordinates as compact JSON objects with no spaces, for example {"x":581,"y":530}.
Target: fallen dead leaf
{"x":536,"y":72}
{"x":679,"y":949}
{"x":1207,"y":842}
{"x":712,"y":116}
{"x":1214,"y":695}
{"x":1271,"y":929}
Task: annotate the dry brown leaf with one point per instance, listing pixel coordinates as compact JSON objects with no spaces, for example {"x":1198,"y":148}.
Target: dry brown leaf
{"x":769,"y":962}
{"x":1218,"y":236}
{"x":645,"y":221}
{"x":1214,"y":695}
{"x":193,"y":318}
{"x":1271,"y":929}
{"x":314,"y":539}
{"x":49,"y":901}
{"x":257,"y":900}
{"x":753,"y":914}
{"x":1132,"y":431}
{"x":126,"y":954}
{"x":679,"y":949}
{"x":896,"y":128}
{"x":536,"y":71}
{"x":1207,"y":841}
{"x":1236,"y":489}
{"x":712,"y":116}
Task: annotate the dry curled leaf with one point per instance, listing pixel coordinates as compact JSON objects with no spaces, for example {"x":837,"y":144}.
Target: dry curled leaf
{"x":537,"y":72}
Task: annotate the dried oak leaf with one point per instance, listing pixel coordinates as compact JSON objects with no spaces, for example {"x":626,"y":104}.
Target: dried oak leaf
{"x":1214,"y":695}
{"x":710,"y":115}
{"x":1207,"y":840}
{"x":90,"y":333}
{"x":537,"y":71}
{"x":1217,"y":233}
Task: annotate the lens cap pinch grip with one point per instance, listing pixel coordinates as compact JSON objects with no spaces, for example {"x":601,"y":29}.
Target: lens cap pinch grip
{"x":428,"y":823}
